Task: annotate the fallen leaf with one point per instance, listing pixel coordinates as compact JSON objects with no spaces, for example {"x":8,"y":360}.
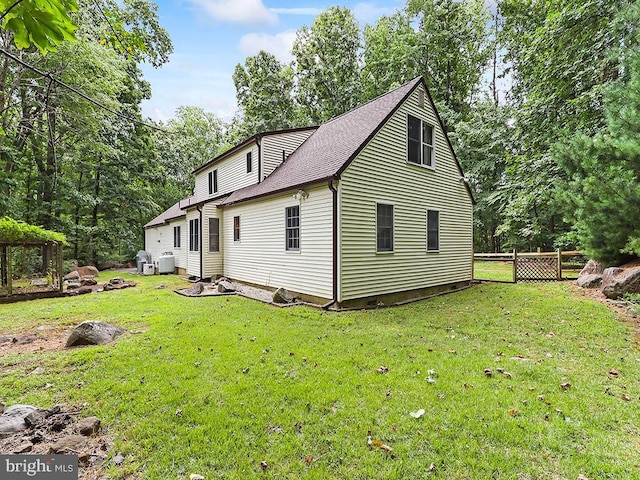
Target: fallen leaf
{"x":179,"y":412}
{"x":263,"y":465}
{"x":613,"y":372}
{"x":389,"y":393}
{"x":381,"y":446}
{"x":394,"y":427}
{"x":506,"y":374}
{"x":417,"y":414}
{"x":565,"y":386}
{"x":195,"y":476}
{"x":245,"y":370}
{"x":453,"y":351}
{"x":513,"y":411}
{"x":369,"y":441}
{"x":308,"y":459}
{"x":488,"y":372}
{"x":383,"y":369}
{"x":432,"y":467}
{"x":582,"y":477}
{"x":626,"y":397}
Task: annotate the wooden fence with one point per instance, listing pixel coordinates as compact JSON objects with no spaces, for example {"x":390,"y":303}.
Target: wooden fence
{"x":534,"y":266}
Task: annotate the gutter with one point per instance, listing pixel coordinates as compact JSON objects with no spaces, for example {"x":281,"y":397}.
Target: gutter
{"x":335,"y":246}
{"x":259,"y":142}
{"x":200,"y":235}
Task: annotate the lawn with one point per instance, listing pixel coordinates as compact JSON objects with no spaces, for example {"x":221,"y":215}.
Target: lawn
{"x":215,"y":386}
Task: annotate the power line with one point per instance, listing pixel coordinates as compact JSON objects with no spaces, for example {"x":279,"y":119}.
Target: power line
{"x":79,"y":93}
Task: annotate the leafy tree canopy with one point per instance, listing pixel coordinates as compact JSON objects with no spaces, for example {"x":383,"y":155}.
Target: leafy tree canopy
{"x":16,"y":231}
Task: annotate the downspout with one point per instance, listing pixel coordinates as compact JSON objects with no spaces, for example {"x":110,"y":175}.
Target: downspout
{"x":335,"y":247}
{"x":259,"y":142}
{"x":200,"y":235}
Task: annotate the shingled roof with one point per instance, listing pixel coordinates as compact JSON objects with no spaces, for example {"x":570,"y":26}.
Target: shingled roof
{"x":174,"y":211}
{"x":330,"y":149}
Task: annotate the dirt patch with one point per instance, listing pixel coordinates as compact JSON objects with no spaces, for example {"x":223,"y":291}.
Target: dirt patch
{"x":619,"y":307}
{"x":60,"y":430}
{"x":46,"y":338}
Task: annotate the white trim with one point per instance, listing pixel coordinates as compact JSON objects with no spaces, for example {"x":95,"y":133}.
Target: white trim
{"x":426,"y":228}
{"x":393,"y":229}
{"x":423,"y":123}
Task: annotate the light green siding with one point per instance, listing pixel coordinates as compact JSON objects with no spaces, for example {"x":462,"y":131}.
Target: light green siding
{"x":232,"y":174}
{"x":260,"y":256}
{"x":274,"y":145}
{"x":212,"y":260}
{"x":381,"y":174}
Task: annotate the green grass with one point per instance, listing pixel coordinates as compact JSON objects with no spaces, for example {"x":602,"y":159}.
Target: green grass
{"x":177,"y":401}
{"x":493,"y":270}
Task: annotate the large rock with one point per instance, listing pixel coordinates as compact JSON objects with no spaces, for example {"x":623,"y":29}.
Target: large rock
{"x":592,"y":267}
{"x":88,"y":281}
{"x":225,"y":286}
{"x":196,"y":289}
{"x":282,"y":295}
{"x":623,"y":281}
{"x":12,"y":419}
{"x":591,"y":280}
{"x":69,"y":444}
{"x":93,"y":333}
{"x":88,"y":426}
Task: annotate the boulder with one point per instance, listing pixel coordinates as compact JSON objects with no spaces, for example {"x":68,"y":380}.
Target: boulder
{"x":73,"y":275}
{"x":116,"y":281}
{"x":592,"y":267}
{"x":73,"y":285}
{"x":39,"y":282}
{"x":591,"y":280}
{"x":88,"y":281}
{"x":93,"y":333}
{"x":225,"y":286}
{"x":12,"y":419}
{"x":609,"y":273}
{"x":83,"y":290}
{"x":282,"y":295}
{"x":623,"y":281}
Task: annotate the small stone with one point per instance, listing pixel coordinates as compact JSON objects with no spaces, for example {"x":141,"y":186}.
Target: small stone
{"x":85,"y":290}
{"x":118,"y":459}
{"x":68,"y":443}
{"x":88,"y":281}
{"x":23,"y":448}
{"x":88,"y":426}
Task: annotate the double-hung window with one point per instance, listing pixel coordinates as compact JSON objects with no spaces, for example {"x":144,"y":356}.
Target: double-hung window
{"x":214,"y":234}
{"x":384,"y":228}
{"x":176,"y":237}
{"x":213,"y":182}
{"x":292,"y":228}
{"x":249,"y":163}
{"x":420,"y":142}
{"x":194,"y":235}
{"x":433,"y":230}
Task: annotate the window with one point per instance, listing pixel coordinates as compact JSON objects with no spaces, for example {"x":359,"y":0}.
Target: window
{"x":194,"y":235}
{"x":292,"y":229}
{"x":213,"y":182}
{"x":214,"y":234}
{"x":420,"y":142}
{"x":384,"y":222}
{"x":176,"y":237}
{"x":433,"y":230}
{"x":236,"y":229}
{"x":249,"y":163}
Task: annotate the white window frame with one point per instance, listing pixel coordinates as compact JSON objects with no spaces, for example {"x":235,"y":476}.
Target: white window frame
{"x":423,"y":144}
{"x":177,"y":239}
{"x":426,"y":220}
{"x":393,"y":229}
{"x":288,"y":228}
{"x":194,"y":235}
{"x":249,"y":162}
{"x":217,"y":235}
{"x":236,"y":240}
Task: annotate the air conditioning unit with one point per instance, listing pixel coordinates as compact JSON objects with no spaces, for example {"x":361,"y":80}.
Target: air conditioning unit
{"x":148,"y":269}
{"x":166,"y":263}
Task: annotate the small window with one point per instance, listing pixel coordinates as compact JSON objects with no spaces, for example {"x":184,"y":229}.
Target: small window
{"x":194,"y":235}
{"x":292,"y":228}
{"x":433,"y":230}
{"x":384,"y":223}
{"x":214,"y":234}
{"x":176,"y":237}
{"x":213,"y":182}
{"x":249,"y":163}
{"x":236,"y":229}
{"x":420,"y":142}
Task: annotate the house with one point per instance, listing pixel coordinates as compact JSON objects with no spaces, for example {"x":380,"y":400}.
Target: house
{"x":371,"y":206}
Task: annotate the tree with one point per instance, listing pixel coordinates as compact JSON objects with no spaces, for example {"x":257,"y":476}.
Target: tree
{"x":264,"y":89}
{"x":603,"y":185}
{"x":46,"y":24}
{"x":327,"y":65}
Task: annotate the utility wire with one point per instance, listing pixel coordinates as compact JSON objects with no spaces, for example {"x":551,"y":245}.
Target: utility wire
{"x":106,"y":19}
{"x":79,"y":93}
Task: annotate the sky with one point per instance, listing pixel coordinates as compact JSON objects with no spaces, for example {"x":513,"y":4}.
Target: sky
{"x":210,"y":37}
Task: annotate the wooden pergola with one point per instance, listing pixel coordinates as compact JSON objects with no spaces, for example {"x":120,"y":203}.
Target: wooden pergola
{"x":51,"y":274}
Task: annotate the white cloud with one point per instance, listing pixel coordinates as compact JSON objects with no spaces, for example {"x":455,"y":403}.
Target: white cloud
{"x":311,"y":11}
{"x":279,"y":44}
{"x":369,"y":13}
{"x":251,"y":12}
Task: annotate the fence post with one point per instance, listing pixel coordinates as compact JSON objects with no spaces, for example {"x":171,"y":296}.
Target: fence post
{"x":559,"y":264}
{"x":9,"y":271}
{"x":515,"y":265}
